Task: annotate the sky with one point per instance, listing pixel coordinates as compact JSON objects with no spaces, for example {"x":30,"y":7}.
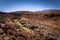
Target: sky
{"x":28,"y":5}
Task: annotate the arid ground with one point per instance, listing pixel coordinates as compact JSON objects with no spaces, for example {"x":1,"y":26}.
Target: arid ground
{"x":25,"y":25}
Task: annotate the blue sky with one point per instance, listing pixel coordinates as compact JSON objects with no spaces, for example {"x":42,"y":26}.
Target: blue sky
{"x":28,"y":5}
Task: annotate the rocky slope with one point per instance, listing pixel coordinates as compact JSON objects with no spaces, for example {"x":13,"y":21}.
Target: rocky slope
{"x":45,"y":25}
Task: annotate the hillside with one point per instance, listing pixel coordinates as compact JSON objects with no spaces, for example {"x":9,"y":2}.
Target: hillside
{"x":41,"y":25}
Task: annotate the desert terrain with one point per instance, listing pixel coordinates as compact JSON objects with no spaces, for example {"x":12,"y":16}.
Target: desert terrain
{"x":26,"y":25}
